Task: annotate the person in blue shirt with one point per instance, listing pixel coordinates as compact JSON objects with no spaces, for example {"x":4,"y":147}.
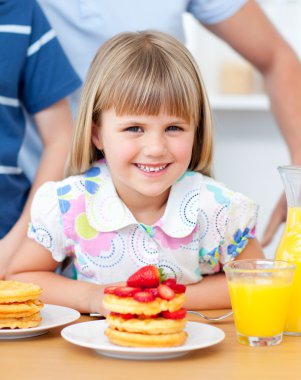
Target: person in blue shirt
{"x":35,"y":75}
{"x":83,"y":25}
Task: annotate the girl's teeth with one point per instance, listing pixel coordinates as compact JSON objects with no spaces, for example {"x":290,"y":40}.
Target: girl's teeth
{"x":149,"y":169}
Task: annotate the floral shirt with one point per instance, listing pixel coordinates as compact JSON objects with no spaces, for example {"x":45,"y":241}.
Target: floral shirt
{"x":204,"y":225}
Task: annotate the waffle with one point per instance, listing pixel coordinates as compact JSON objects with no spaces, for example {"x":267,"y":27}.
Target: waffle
{"x":20,"y":309}
{"x":129,"y":305}
{"x":14,"y":291}
{"x":19,"y":305}
{"x":150,"y":326}
{"x":123,"y":338}
{"x":142,"y":324}
{"x":148,"y":311}
{"x":21,"y":323}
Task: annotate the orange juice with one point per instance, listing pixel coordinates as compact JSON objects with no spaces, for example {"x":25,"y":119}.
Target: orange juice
{"x":290,"y":250}
{"x":260,"y":305}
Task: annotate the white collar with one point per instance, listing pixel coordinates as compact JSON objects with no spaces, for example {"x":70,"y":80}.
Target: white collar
{"x":106,"y":211}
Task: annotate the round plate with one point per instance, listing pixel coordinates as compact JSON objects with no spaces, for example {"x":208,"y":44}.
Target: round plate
{"x":52,"y":316}
{"x":91,"y":335}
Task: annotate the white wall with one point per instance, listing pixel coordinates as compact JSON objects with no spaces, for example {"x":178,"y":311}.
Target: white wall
{"x":210,"y":51}
{"x":248,"y":145}
{"x":248,"y":150}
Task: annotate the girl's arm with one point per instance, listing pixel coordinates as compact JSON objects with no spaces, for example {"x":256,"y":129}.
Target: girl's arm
{"x":33,"y":263}
{"x":55,"y":126}
{"x":212,"y":291}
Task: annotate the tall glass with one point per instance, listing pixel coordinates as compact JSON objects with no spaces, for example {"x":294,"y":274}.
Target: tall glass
{"x":260,"y":292}
{"x":289,"y":248}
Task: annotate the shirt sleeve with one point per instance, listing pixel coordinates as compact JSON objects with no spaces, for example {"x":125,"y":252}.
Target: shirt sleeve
{"x":240,"y":227}
{"x":214,"y":11}
{"x":48,"y":76}
{"x":46,"y":224}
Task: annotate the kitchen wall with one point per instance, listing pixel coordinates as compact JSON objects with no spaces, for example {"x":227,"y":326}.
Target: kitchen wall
{"x":248,"y":145}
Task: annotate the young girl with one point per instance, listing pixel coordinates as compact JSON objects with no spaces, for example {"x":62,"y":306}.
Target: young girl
{"x":139,"y":190}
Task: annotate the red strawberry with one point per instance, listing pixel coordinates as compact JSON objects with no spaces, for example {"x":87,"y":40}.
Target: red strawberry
{"x":146,"y":277}
{"x":110,"y":289}
{"x":172,"y":283}
{"x":144,"y":296}
{"x":127,"y":316}
{"x":178,"y":314}
{"x":143,"y":316}
{"x":165,"y":292}
{"x":126,"y":291}
{"x":154,"y":291}
{"x":179,"y":288}
{"x":124,"y":316}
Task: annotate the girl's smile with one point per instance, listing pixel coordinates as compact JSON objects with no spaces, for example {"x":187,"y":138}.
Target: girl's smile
{"x":146,"y":154}
{"x":152,"y":169}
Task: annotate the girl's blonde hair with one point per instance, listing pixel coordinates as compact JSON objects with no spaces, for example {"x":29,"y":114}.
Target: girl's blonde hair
{"x":141,"y":74}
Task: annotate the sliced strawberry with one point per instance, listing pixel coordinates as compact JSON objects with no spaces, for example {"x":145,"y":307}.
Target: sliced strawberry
{"x":127,"y":316}
{"x":154,"y":291}
{"x":126,"y":291}
{"x":179,"y":288}
{"x":172,"y":283}
{"x":144,"y":296}
{"x":146,"y":277}
{"x":110,"y":289}
{"x":165,"y":292}
{"x":178,"y":314}
{"x":143,"y":316}
{"x":124,"y":316}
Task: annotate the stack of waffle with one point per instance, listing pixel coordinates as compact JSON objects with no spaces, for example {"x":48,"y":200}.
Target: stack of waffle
{"x":146,"y":316}
{"x":19,"y":305}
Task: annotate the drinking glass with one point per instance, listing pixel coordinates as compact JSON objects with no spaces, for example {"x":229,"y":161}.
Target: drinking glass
{"x":260,"y":292}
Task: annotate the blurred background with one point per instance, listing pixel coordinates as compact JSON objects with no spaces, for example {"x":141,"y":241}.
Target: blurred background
{"x":248,"y":145}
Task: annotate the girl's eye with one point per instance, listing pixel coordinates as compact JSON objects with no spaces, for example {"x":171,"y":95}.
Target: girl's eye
{"x":173,"y":128}
{"x":134,"y":129}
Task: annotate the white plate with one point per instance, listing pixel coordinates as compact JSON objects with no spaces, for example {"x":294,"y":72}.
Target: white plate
{"x":91,"y":335}
{"x":52,"y":316}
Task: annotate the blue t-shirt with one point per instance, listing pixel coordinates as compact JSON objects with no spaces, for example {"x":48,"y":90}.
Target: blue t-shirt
{"x":34,"y":74}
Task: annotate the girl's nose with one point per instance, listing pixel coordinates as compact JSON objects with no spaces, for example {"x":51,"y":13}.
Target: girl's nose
{"x":155,"y":146}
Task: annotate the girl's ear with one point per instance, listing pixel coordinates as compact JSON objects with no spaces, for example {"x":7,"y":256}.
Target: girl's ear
{"x":96,"y":137}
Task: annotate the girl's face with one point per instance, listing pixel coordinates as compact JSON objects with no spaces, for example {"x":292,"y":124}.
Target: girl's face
{"x":146,"y":154}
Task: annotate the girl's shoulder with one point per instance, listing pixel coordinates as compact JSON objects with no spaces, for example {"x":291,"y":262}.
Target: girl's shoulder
{"x":66,"y":185}
{"x":209,"y":188}
{"x":193,"y":181}
{"x":76,"y":185}
{"x":217,"y":189}
{"x":223,"y":195}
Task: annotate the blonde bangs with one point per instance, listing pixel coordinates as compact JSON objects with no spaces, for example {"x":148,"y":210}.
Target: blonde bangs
{"x":147,"y":80}
{"x":148,"y":93}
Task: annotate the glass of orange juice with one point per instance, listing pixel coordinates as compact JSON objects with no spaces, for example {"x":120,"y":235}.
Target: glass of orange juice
{"x":260,"y":292}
